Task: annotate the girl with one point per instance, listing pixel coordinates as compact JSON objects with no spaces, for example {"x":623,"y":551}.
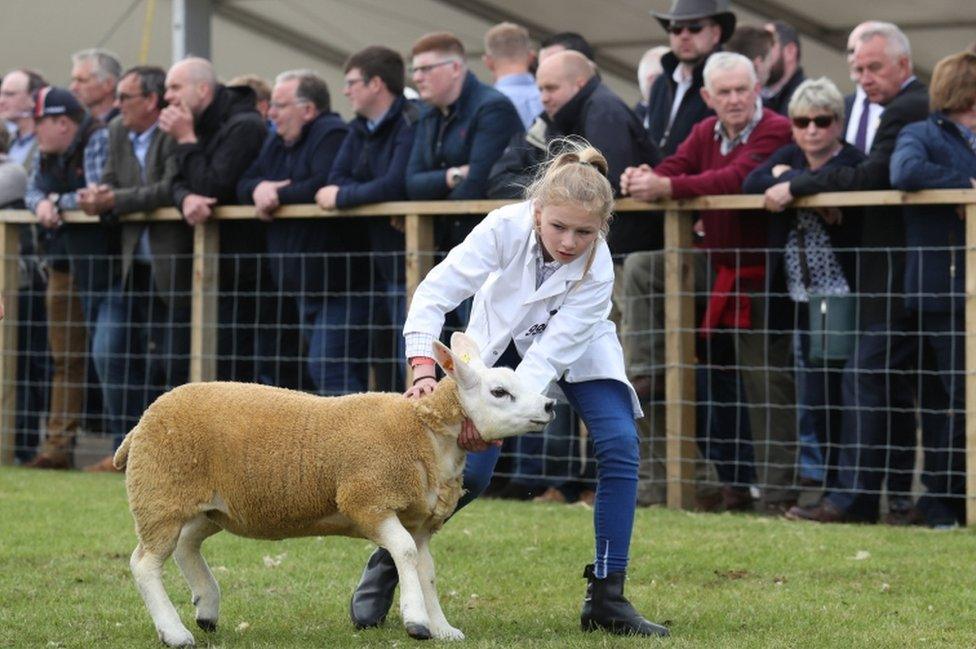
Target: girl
{"x":541,"y":275}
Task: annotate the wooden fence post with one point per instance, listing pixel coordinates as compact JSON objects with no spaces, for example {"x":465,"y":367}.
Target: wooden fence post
{"x":203,"y":309}
{"x":9,"y":284}
{"x":970,"y":364}
{"x":419,"y":231}
{"x":679,"y":337}
{"x":420,"y":248}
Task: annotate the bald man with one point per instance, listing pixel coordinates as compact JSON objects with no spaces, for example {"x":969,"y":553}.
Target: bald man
{"x":574,"y":102}
{"x":219,"y":133}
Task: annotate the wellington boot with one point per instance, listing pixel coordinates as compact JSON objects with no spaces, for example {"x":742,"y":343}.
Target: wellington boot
{"x":374,"y":595}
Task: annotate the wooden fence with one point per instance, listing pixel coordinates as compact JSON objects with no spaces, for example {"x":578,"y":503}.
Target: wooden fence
{"x":678,"y":306}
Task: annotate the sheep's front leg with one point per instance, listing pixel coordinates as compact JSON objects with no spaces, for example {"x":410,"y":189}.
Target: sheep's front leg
{"x":203,"y":586}
{"x":398,"y":542}
{"x":439,"y":626}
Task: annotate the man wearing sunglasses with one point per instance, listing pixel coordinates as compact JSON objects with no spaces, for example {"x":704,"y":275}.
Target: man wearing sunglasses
{"x":696,"y":29}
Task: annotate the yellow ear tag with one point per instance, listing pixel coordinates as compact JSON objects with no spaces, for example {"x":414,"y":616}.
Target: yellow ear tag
{"x":466,"y":358}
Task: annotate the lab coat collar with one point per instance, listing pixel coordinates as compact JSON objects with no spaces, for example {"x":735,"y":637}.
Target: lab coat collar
{"x":558,"y":282}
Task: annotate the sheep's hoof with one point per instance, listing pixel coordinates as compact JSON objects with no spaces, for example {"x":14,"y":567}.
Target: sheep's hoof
{"x":207,"y":625}
{"x":178,"y":639}
{"x":418,"y":631}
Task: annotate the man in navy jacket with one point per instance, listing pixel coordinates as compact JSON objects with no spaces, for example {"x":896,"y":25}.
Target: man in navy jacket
{"x":370,"y":168}
{"x":310,"y":258}
{"x":460,"y":135}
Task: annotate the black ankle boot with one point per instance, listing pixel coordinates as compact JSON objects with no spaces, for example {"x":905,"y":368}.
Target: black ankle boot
{"x":605,"y":607}
{"x":374,"y":595}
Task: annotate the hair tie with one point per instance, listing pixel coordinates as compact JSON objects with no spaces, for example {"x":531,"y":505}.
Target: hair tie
{"x":592,"y":166}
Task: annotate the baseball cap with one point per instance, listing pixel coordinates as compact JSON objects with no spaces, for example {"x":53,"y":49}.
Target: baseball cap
{"x":51,"y":101}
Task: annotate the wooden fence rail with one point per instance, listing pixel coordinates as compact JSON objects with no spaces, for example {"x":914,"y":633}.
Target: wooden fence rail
{"x":678,"y":301}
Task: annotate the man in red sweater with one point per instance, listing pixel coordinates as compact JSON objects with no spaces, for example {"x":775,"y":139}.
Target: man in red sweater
{"x":715,"y":159}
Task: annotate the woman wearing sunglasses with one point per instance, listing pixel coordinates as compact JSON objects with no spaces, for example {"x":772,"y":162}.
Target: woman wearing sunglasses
{"x":818,"y":261}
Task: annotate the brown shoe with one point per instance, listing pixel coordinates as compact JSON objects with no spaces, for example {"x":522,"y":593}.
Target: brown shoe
{"x":50,"y":460}
{"x":736,"y":499}
{"x":822,"y":512}
{"x":904,"y":517}
{"x":550,"y":495}
{"x":105,"y":465}
{"x":587,"y":497}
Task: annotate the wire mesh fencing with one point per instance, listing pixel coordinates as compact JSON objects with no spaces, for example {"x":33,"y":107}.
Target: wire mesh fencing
{"x":794,"y":390}
{"x":759,"y":385}
{"x":807,"y":386}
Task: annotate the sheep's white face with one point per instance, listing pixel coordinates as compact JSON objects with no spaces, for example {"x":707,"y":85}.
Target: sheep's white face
{"x":495,"y":399}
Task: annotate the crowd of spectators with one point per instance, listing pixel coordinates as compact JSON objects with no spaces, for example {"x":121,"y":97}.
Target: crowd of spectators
{"x":788,"y":399}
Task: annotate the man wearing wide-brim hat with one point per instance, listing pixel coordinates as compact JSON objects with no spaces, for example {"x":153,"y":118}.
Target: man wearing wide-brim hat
{"x":695,"y":28}
{"x":683,"y":11}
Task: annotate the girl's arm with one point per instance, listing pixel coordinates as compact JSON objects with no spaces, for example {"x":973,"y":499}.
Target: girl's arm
{"x":452,"y":281}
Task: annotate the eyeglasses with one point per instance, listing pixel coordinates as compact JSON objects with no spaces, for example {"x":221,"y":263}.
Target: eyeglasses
{"x":694,"y":28}
{"x":425,"y":69}
{"x":286,"y":104}
{"x":822,"y":121}
{"x":349,"y":83}
{"x":123,"y":97}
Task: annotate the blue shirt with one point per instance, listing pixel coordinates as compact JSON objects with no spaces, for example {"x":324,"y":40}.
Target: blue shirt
{"x":523,"y":93}
{"x":20,"y":147}
{"x":140,"y":147}
{"x":371,"y":124}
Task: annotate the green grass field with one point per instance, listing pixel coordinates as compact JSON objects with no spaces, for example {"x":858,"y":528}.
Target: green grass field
{"x":509,"y":576}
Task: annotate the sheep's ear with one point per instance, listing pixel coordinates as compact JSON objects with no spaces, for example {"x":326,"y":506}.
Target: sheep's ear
{"x":454,"y":367}
{"x":465,"y":348}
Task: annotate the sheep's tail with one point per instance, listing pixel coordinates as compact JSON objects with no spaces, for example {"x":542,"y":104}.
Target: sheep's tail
{"x":122,"y":455}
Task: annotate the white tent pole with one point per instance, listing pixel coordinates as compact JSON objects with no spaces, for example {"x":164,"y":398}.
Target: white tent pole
{"x":191,"y":28}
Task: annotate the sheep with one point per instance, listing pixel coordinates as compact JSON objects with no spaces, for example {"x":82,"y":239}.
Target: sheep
{"x":271,"y":463}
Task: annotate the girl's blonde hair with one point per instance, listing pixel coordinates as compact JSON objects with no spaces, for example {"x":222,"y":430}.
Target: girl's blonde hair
{"x":575,"y":174}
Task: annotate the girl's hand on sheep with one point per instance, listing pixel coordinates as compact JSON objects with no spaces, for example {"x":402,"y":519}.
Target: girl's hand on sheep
{"x":470,"y":438}
{"x":421,"y":388}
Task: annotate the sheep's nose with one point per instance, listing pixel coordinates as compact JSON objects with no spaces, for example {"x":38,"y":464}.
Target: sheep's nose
{"x":550,"y":406}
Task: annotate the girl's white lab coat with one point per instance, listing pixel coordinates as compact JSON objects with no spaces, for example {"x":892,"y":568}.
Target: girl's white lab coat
{"x":561,"y":329}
